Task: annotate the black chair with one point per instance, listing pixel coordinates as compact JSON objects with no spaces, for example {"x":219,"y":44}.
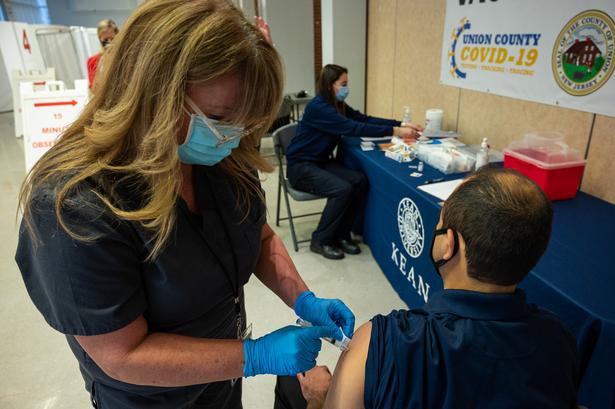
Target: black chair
{"x":282,"y":118}
{"x":281,"y":139}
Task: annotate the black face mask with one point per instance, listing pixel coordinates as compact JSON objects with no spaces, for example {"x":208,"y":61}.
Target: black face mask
{"x":105,"y":43}
{"x":439,"y":263}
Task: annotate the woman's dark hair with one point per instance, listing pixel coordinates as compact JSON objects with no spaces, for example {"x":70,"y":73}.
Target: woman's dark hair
{"x":505,"y":220}
{"x":324,"y":87}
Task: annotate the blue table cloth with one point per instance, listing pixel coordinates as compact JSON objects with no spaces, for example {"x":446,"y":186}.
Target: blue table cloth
{"x":575,"y":278}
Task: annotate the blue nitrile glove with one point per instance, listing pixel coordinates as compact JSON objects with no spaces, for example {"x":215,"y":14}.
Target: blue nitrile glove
{"x":287,"y":351}
{"x":325,"y":312}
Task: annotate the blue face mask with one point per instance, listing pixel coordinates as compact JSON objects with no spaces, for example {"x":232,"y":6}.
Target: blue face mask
{"x":208,"y":141}
{"x":342,"y":93}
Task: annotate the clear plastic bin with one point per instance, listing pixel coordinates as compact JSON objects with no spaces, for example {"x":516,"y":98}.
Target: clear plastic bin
{"x":549,"y":161}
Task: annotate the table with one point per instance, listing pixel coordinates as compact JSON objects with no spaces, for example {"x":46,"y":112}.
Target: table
{"x":575,"y":278}
{"x":297,"y":102}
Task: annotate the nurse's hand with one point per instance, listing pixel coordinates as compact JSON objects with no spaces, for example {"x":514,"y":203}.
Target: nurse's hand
{"x":408,"y":131}
{"x":287,"y":351}
{"x":325,"y":312}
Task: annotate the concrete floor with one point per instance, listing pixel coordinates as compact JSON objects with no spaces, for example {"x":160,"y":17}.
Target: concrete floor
{"x":37,"y":369}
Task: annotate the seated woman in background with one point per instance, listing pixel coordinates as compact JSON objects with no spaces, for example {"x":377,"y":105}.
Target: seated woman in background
{"x":107,"y":30}
{"x":311,"y":168}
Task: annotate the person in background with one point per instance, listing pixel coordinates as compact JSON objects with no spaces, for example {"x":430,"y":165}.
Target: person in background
{"x":311,"y":167}
{"x":478,"y":343}
{"x":143,"y":223}
{"x":106,"y":30}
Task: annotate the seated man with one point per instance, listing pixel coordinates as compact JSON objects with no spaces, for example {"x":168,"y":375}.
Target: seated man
{"x":477,"y":344}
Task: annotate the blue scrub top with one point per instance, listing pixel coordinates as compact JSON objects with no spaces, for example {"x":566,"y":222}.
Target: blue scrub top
{"x":466,"y":349}
{"x":322,"y":126}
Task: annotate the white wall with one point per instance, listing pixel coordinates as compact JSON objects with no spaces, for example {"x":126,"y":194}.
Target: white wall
{"x":344,"y":27}
{"x":247,"y":6}
{"x":292,"y":29}
{"x":291,"y":23}
{"x":326,"y":27}
{"x":88,"y":13}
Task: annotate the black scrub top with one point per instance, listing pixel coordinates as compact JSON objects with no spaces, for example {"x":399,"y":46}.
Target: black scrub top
{"x":94,"y":288}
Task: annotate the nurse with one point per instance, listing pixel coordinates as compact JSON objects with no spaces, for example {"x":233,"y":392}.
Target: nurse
{"x":142,"y":225}
{"x":311,"y":167}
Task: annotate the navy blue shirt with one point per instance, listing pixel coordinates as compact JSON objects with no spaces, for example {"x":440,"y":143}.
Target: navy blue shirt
{"x":465,"y":349}
{"x":322,"y":126}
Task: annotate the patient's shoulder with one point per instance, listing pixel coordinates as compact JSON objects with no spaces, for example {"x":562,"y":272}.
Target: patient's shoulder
{"x":407,"y":322}
{"x":349,"y":377}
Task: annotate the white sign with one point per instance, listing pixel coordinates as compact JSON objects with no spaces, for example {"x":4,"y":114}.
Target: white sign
{"x":39,"y":78}
{"x":557,"y":52}
{"x":20,"y":52}
{"x":20,"y":48}
{"x":47,"y":113}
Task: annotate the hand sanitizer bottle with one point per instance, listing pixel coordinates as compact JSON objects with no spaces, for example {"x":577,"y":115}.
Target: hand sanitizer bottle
{"x":407,"y":117}
{"x":482,"y":157}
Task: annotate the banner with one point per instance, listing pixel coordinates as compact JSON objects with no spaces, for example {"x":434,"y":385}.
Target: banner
{"x":556,"y":52}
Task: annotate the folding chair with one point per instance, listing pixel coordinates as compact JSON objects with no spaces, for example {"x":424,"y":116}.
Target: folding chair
{"x":283,"y":118}
{"x":281,"y":139}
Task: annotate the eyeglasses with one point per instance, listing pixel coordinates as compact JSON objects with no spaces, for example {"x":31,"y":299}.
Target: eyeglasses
{"x":234,"y":132}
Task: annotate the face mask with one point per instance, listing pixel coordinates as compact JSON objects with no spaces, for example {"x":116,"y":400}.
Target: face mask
{"x":439,"y":263}
{"x":207,"y":141}
{"x":342,"y":93}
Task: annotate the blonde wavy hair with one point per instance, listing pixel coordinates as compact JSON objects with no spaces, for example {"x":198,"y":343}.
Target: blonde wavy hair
{"x":106,"y":24}
{"x":128,"y":131}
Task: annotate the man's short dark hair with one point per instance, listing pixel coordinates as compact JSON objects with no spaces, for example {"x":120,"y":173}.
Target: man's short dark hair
{"x":505,"y":221}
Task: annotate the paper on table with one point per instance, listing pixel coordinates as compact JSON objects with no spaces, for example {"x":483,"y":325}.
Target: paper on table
{"x":375,"y":139}
{"x":441,"y":190}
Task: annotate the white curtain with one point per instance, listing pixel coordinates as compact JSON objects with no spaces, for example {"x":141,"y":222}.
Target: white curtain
{"x":6,"y":93}
{"x":59,"y":52}
{"x":93,"y":40}
{"x":83,"y":47}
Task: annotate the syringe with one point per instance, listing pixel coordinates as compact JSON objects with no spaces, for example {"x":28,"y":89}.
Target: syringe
{"x":343,"y":344}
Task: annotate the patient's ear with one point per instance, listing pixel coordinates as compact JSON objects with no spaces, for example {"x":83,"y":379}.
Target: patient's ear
{"x":449,"y":244}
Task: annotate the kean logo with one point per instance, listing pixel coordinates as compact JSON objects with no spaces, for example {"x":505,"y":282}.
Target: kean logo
{"x":583,"y":53}
{"x":412,"y":236}
{"x":410,"y":226}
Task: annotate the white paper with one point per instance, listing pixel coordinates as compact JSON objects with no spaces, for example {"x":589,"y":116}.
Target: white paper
{"x":375,"y":139}
{"x":441,"y":190}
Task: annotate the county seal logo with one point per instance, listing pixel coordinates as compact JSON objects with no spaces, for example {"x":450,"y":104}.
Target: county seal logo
{"x":410,"y":226}
{"x":583,"y":53}
{"x":455,"y":71}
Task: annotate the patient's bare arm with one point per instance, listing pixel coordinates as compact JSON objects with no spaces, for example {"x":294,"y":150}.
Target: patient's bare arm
{"x":347,"y":386}
{"x":348,"y":381}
